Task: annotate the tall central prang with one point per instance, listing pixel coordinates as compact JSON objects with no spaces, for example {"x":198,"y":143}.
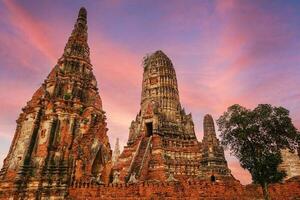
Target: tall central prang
{"x":161,"y":112}
{"x":162,"y":144}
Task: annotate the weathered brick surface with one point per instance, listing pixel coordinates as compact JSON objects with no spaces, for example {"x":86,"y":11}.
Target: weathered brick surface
{"x":61,"y":150}
{"x":61,"y":133}
{"x":192,"y":190}
{"x":172,"y":149}
{"x":291,"y":163}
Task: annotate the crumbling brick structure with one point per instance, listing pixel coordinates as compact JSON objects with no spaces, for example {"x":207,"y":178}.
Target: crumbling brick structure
{"x":162,"y":144}
{"x":61,"y":133}
{"x":61,"y":150}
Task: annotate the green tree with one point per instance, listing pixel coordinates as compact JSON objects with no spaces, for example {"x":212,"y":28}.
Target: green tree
{"x":256,"y":138}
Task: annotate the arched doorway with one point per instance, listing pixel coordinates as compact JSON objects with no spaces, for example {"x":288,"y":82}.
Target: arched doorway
{"x":149,"y":129}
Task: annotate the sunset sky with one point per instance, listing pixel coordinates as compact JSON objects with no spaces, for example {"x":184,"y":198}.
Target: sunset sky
{"x":224,"y":52}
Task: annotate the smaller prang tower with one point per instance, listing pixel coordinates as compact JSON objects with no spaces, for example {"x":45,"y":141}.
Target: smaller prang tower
{"x":213,"y":160}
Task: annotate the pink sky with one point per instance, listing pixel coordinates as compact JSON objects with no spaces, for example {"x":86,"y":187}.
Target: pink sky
{"x":224,"y":52}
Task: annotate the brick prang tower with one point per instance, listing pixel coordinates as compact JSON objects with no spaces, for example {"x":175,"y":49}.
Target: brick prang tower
{"x":162,"y":144}
{"x":213,"y":160}
{"x":61,"y":133}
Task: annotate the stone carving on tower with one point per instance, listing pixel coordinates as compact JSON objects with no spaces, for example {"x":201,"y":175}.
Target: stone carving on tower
{"x":213,"y":160}
{"x":61,"y":132}
{"x":161,"y":139}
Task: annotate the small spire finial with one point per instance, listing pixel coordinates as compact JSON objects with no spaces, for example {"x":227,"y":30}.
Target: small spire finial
{"x":82,"y":13}
{"x":77,"y":45}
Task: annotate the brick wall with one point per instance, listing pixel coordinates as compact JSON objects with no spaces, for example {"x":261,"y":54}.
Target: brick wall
{"x":184,"y":190}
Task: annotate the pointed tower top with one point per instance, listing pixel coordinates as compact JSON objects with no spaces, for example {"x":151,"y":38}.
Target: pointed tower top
{"x":161,"y":54}
{"x":77,"y":46}
{"x":82,"y":13}
{"x":155,"y":57}
{"x":208,"y":125}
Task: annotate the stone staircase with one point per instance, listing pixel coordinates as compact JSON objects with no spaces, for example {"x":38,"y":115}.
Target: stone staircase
{"x":139,"y":159}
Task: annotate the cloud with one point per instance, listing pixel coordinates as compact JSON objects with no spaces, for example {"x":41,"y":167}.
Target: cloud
{"x":240,"y":174}
{"x":32,"y":28}
{"x":249,"y":42}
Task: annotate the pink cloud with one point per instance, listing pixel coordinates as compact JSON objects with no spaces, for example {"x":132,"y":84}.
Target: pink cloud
{"x":16,"y":57}
{"x":33,"y":30}
{"x":23,"y":91}
{"x":238,"y":50}
{"x":240,"y":174}
{"x":223,"y":6}
{"x":13,"y":95}
{"x":118,"y":73}
{"x":112,"y":61}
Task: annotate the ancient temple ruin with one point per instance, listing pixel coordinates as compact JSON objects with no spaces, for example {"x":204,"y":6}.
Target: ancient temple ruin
{"x":61,"y":150}
{"x":61,"y":132}
{"x":162,"y":144}
{"x":212,"y":159}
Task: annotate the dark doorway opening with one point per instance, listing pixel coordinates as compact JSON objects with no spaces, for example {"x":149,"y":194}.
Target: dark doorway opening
{"x":213,"y":178}
{"x":149,"y":129}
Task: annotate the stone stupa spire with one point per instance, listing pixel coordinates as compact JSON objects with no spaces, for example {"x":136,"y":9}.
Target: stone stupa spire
{"x":213,"y":160}
{"x":209,"y":128}
{"x":77,"y":45}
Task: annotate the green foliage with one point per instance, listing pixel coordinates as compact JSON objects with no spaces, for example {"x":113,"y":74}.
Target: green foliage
{"x":67,"y":96}
{"x":85,"y":120}
{"x":81,"y":110}
{"x":256,"y":137}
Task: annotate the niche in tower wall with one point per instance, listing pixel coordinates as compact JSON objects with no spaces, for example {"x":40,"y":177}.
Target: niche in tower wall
{"x":149,"y":129}
{"x":97,"y":165}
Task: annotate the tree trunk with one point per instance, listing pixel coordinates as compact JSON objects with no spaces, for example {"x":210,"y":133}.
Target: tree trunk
{"x":264,"y":187}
